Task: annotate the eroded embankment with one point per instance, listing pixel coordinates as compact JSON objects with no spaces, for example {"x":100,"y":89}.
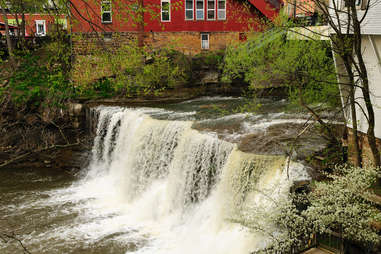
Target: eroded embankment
{"x":53,"y":138}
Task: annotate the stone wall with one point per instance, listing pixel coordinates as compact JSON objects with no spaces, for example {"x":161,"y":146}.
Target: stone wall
{"x":188,"y":43}
{"x":84,"y":44}
{"x":366,"y":153}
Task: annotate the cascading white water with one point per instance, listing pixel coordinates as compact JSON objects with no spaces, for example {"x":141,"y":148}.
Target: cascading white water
{"x":183,"y":190}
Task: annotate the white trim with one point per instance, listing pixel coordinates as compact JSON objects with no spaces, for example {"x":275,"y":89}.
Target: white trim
{"x":162,"y":11}
{"x":208,"y":41}
{"x":40,"y":22}
{"x":222,"y":9}
{"x":203,"y":9}
{"x":214,"y":9}
{"x":110,"y":11}
{"x":189,"y":10}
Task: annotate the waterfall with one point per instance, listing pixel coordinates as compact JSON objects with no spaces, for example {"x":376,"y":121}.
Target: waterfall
{"x":184,"y":190}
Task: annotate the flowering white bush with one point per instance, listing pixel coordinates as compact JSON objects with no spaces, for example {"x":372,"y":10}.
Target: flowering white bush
{"x":343,"y":204}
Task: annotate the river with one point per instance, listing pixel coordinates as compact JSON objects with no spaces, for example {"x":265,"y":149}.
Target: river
{"x":169,"y":179}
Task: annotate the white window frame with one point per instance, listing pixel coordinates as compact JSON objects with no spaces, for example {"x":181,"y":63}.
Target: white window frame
{"x":208,"y":44}
{"x":163,"y":11}
{"x":214,"y":9}
{"x":41,"y":22}
{"x":110,"y":11}
{"x":221,"y":9}
{"x":203,"y":9}
{"x":188,"y":9}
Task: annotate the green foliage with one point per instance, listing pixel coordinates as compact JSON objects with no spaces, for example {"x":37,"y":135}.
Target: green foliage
{"x":129,"y":70}
{"x":269,"y":60}
{"x":41,"y":77}
{"x":210,"y":59}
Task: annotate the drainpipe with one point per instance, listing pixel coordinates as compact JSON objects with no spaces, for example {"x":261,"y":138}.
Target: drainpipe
{"x":375,"y":50}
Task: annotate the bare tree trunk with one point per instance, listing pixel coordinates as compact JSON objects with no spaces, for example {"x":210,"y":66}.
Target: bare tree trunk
{"x":352,"y":102}
{"x":365,"y":86}
{"x":316,"y":116}
{"x":21,"y":27}
{"x":7,"y":34}
{"x":23,"y":22}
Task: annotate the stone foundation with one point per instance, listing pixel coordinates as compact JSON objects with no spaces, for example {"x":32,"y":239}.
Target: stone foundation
{"x":366,"y":153}
{"x":86,"y":43}
{"x":188,"y":43}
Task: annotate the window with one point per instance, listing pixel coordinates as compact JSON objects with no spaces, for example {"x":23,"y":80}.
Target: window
{"x":221,"y":7}
{"x":199,"y":9}
{"x":189,"y":10}
{"x":106,"y":12}
{"x":211,"y":9}
{"x":40,"y":27}
{"x":107,"y":36}
{"x":204,"y":41}
{"x":165,"y":10}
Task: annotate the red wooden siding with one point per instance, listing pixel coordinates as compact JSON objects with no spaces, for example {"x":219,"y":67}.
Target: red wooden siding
{"x":239,"y":17}
{"x":30,"y":21}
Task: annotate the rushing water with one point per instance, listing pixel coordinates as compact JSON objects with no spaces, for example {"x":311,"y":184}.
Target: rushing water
{"x":158,"y":182}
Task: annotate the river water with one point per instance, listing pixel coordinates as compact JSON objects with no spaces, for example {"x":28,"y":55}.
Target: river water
{"x":171,"y":180}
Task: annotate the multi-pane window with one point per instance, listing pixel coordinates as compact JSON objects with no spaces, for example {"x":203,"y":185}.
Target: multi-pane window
{"x":200,"y":9}
{"x":165,"y":10}
{"x":211,"y":9}
{"x":106,"y":12}
{"x":189,"y":9}
{"x":221,"y":9}
{"x":204,"y":41}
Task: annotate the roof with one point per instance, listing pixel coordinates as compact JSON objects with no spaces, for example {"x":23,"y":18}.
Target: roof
{"x":269,"y":8}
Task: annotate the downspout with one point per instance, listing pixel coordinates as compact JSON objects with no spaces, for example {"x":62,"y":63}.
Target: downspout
{"x":375,"y":50}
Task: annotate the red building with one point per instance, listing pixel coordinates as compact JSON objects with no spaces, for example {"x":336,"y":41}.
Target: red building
{"x":37,"y":24}
{"x":190,"y":25}
{"x":12,"y":29}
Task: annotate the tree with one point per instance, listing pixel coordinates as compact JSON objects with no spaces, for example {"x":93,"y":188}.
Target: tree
{"x":305,"y":67}
{"x":342,"y":204}
{"x":346,"y":38}
{"x":7,"y":31}
{"x":18,"y":9}
{"x":346,"y":45}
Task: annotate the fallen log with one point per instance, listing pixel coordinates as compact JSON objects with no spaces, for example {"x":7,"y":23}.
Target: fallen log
{"x":26,"y":155}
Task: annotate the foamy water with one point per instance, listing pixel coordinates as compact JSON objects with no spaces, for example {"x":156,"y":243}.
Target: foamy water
{"x":152,"y":187}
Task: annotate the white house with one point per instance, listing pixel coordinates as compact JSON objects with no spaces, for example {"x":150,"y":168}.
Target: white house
{"x":371,"y":48}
